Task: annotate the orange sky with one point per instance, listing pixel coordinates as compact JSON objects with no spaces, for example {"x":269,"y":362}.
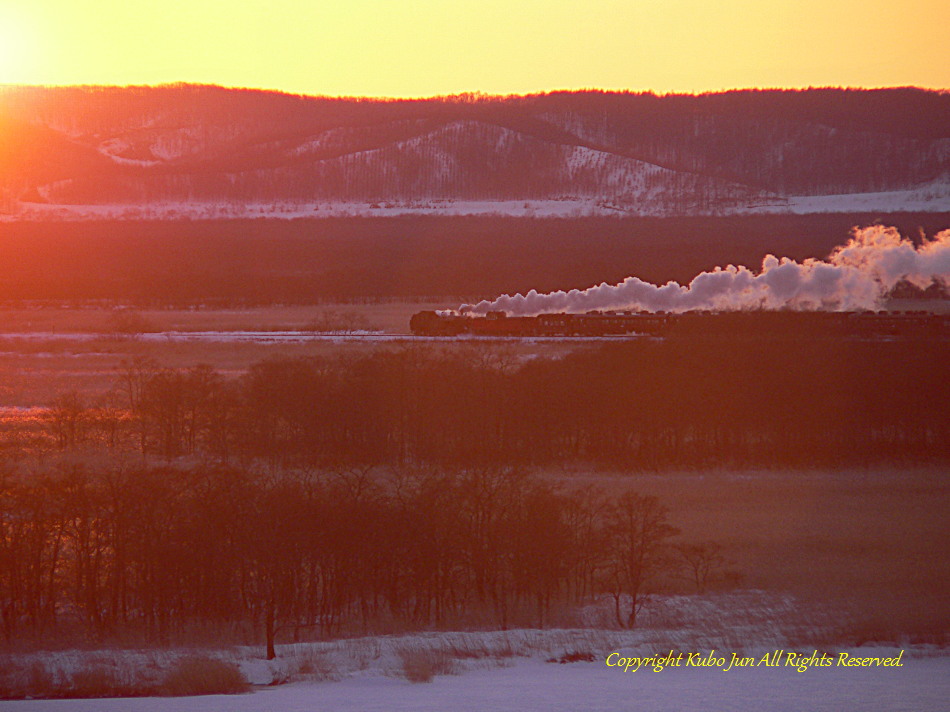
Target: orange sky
{"x":428,"y":47}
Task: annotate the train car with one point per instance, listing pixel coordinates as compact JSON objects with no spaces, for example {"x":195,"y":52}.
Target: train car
{"x":817,"y":324}
{"x":432,"y":323}
{"x":498,"y":323}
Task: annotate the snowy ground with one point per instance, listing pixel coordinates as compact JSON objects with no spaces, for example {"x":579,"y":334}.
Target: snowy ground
{"x":211,"y":210}
{"x":292,"y":337}
{"x":934,"y":197}
{"x":490,"y":671}
{"x":921,"y":685}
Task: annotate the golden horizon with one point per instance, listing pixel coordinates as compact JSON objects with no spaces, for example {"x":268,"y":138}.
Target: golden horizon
{"x":428,"y":48}
{"x":473,"y":95}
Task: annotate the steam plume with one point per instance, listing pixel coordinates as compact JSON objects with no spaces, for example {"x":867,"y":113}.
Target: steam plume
{"x":856,"y":276}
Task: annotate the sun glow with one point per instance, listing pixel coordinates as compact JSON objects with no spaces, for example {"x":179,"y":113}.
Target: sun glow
{"x":428,"y":47}
{"x":16,"y":46}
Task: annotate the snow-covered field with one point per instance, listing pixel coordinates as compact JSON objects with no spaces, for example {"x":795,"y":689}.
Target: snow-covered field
{"x":921,"y":685}
{"x":257,"y":337}
{"x":934,"y":197}
{"x":289,"y":211}
{"x":528,"y":669}
{"x":293,"y":337}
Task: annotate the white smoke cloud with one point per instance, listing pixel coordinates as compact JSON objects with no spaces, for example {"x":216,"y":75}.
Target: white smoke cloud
{"x":856,"y":276}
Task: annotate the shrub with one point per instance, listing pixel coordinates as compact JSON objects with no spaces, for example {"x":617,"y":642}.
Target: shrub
{"x":17,"y":680}
{"x":40,"y":682}
{"x":573,"y":657}
{"x":204,"y":676}
{"x":423,"y":665}
{"x":94,"y":681}
{"x":316,"y":666}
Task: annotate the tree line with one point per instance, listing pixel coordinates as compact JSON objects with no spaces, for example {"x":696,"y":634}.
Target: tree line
{"x":688,"y":401}
{"x":155,"y":554}
{"x":390,"y":490}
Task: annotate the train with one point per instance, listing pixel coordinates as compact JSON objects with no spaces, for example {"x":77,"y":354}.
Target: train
{"x":854,"y":324}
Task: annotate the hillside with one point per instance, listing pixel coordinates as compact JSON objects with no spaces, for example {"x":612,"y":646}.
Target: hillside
{"x":200,"y":150}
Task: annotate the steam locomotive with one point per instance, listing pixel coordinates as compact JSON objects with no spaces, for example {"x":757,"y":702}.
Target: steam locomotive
{"x":865,"y":324}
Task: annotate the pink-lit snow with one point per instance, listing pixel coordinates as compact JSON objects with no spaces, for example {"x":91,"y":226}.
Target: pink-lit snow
{"x":921,"y":685}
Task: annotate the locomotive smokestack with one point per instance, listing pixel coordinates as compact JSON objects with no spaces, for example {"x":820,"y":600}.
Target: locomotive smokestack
{"x":856,"y":276}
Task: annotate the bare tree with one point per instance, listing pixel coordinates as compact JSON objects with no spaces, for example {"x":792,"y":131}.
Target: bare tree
{"x":132,"y":378}
{"x":636,"y":533}
{"x":68,"y":417}
{"x":701,"y":562}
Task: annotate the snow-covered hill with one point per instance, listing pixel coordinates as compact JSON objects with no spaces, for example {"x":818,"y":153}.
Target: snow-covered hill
{"x":191,"y":151}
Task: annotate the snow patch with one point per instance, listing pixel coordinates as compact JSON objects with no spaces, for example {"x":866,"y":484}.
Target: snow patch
{"x":115,"y":147}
